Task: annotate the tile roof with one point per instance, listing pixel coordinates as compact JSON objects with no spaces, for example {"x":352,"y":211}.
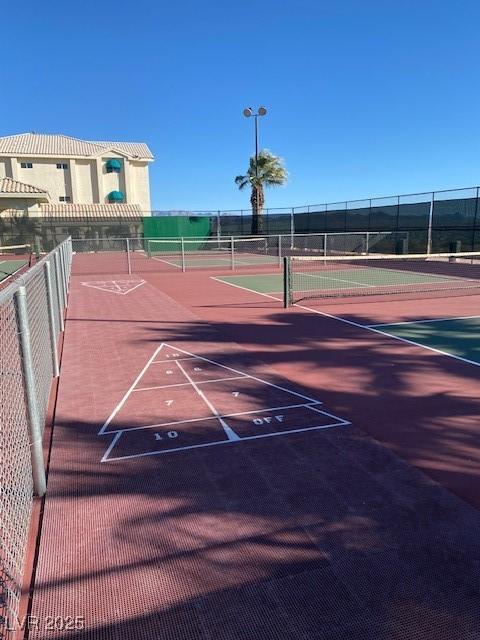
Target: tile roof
{"x":75,"y":211}
{"x":66,"y":146}
{"x":8,"y":185}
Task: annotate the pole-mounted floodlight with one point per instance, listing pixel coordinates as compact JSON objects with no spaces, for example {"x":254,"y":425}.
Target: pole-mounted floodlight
{"x":248,"y":112}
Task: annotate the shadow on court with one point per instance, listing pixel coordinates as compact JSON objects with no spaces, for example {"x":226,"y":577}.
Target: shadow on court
{"x":318,"y":534}
{"x":315,"y":535}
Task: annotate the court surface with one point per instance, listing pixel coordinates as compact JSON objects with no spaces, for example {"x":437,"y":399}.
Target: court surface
{"x":10,"y":267}
{"x":336,"y":280}
{"x":212,"y":473}
{"x":458,"y":337}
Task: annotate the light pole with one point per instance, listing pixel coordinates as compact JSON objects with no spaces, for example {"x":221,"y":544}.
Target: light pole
{"x":248,"y":113}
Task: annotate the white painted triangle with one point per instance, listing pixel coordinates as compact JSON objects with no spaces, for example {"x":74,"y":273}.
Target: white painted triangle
{"x":173,"y":353}
{"x":168,"y":353}
{"x":191,"y":355}
{"x":121,"y":287}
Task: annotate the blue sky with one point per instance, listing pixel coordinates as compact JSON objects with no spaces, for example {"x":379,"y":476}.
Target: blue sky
{"x":364,"y":98}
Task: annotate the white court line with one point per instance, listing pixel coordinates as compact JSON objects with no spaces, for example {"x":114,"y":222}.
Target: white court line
{"x":178,"y":266}
{"x":111,"y":445}
{"x":357,"y":324}
{"x":213,"y":444}
{"x":323,"y":277}
{"x":229,"y":432}
{"x":225,"y":415}
{"x":133,"y":288}
{"x":172,"y":360}
{"x":330,"y":415}
{"x":272,"y":294}
{"x":186,"y":384}
{"x":393,"y":284}
{"x":127,"y":395}
{"x":388,"y":335}
{"x":394,"y":324}
{"x":102,"y":285}
{"x":237,"y":286}
{"x":241,"y":373}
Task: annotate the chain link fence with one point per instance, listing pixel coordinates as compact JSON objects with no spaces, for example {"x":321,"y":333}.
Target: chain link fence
{"x":114,"y":256}
{"x":31,"y":318}
{"x":435,"y":220}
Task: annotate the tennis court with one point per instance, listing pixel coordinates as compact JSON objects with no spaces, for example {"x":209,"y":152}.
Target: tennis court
{"x":212,"y":260}
{"x":225,"y":467}
{"x":456,"y":336}
{"x":210,"y":253}
{"x":12,"y":260}
{"x":315,"y":281}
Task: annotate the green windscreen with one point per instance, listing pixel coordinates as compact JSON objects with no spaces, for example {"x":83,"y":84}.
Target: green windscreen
{"x":177,"y":227}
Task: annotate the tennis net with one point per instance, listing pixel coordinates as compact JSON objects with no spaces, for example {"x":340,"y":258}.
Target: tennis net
{"x":378,"y":274}
{"x":228,"y":252}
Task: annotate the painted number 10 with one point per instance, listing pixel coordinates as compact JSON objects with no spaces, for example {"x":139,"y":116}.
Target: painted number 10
{"x":170,"y":434}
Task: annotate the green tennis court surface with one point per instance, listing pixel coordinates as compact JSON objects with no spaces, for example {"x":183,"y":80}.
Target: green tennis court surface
{"x":457,"y":336}
{"x":341,"y":279}
{"x":9,"y":267}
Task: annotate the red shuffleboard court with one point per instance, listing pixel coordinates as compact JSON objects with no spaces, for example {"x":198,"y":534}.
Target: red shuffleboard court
{"x":212,"y":474}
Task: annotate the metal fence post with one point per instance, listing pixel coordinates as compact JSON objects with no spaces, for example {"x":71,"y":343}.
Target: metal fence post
{"x":51,"y":319}
{"x":279,"y":250}
{"x":182,"y":244}
{"x":61,"y":306}
{"x":34,"y":422}
{"x":65,"y":268}
{"x":474,"y":222}
{"x":232,"y":252}
{"x":292,"y":226}
{"x":63,"y":276}
{"x":286,"y":282}
{"x":367,"y":243}
{"x":430,"y":222}
{"x":219,"y":229}
{"x":128,"y":257}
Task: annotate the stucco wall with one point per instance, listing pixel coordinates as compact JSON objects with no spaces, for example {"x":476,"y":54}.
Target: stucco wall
{"x":140,"y":185}
{"x":133,"y":180}
{"x":45,"y":175}
{"x":85,"y":175}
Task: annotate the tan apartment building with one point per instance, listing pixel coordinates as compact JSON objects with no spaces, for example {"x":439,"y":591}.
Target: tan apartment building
{"x":61,"y":179}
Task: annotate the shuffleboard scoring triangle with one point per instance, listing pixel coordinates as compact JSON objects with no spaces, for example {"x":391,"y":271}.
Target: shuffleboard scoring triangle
{"x":121,"y":287}
{"x":180,"y":401}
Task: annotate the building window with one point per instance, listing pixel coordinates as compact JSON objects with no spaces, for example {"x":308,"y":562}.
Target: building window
{"x":62,"y":165}
{"x":26,"y":165}
{"x":65,"y":199}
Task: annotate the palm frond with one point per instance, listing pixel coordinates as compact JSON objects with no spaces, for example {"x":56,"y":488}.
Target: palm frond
{"x":242,"y":181}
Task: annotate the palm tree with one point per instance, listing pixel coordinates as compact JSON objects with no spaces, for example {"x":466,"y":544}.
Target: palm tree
{"x":268,"y":171}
